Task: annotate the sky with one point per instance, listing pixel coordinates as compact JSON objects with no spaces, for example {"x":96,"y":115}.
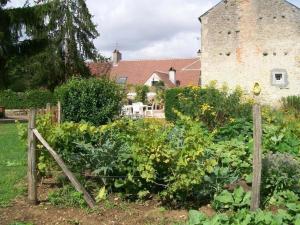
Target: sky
{"x":148,"y":29}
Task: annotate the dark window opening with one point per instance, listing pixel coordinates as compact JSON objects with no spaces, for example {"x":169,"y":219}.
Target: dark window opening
{"x":278,"y":76}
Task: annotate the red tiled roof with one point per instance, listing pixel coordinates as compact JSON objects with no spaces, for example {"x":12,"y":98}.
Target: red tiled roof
{"x":165,"y":78}
{"x":100,"y":68}
{"x":139,"y":71}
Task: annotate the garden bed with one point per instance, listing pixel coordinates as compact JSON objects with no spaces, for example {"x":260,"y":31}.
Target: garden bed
{"x":113,"y":211}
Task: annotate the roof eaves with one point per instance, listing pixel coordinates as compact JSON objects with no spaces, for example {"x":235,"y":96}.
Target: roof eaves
{"x":208,"y":11}
{"x":292,"y":4}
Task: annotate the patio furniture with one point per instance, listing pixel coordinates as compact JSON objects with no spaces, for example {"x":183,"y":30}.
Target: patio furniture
{"x":149,"y":110}
{"x":138,"y":109}
{"x":127,"y":110}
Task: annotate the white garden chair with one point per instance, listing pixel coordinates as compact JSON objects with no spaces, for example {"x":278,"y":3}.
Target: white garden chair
{"x":137,"y":109}
{"x":150,"y":110}
{"x":127,"y":110}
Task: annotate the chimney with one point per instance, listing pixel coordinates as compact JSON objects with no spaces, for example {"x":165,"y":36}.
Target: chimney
{"x":172,"y":75}
{"x":116,"y":58}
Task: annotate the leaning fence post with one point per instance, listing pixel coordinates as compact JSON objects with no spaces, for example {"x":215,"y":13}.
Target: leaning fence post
{"x":257,"y":152}
{"x":31,"y":171}
{"x":58,"y":112}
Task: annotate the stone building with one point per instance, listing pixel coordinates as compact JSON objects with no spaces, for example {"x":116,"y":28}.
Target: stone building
{"x":248,"y":41}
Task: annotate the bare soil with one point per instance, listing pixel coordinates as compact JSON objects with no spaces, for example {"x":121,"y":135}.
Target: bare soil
{"x":116,"y":212}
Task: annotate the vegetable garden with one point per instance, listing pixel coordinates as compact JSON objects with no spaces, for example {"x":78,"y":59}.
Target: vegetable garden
{"x":201,"y":157}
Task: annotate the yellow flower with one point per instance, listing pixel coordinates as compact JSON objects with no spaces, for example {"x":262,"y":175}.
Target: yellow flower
{"x":205,"y":108}
{"x":232,"y":120}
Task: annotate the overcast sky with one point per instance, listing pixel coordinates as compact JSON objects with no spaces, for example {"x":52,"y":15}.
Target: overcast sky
{"x":149,"y":28}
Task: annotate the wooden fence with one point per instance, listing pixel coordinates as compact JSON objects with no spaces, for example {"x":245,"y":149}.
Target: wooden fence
{"x":34,"y":136}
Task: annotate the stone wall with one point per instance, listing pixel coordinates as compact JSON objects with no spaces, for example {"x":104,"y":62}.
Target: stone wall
{"x":244,"y":40}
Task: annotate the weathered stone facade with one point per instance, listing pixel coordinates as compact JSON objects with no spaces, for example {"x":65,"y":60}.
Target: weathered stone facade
{"x":245,"y":41}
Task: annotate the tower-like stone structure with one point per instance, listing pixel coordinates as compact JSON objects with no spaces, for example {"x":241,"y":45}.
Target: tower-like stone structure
{"x":248,"y":41}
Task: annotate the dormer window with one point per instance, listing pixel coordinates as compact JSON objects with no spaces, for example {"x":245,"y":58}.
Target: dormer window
{"x":279,"y":78}
{"x":121,"y":80}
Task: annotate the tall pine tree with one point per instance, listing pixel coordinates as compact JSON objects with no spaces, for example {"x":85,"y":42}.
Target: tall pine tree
{"x":72,"y":33}
{"x":57,"y":37}
{"x":21,"y":36}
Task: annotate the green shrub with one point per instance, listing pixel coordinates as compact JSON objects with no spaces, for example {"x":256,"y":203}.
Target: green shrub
{"x":280,"y":172}
{"x":67,"y":197}
{"x":245,"y":217}
{"x":171,"y":103}
{"x":291,"y":103}
{"x":232,"y":200}
{"x":144,"y":156}
{"x":141,"y":93}
{"x":234,"y":163}
{"x":209,"y":105}
{"x":26,"y":100}
{"x":94,"y":100}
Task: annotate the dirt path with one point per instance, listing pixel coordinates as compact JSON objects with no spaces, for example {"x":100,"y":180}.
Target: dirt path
{"x":116,"y":212}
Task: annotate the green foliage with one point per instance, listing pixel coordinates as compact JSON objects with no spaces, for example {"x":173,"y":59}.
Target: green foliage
{"x":26,"y":100}
{"x":211,"y":106}
{"x":282,"y":138}
{"x":141,"y":93}
{"x":12,"y":164}
{"x":235,"y":200}
{"x":94,"y":100}
{"x":67,"y":197}
{"x":245,"y":217}
{"x":36,"y":54}
{"x":280,"y":199}
{"x":173,"y":157}
{"x":280,"y":172}
{"x":145,"y":156}
{"x":72,"y":32}
{"x":291,"y":103}
{"x":240,"y":128}
{"x":234,"y":163}
{"x":171,"y":103}
{"x":182,"y":162}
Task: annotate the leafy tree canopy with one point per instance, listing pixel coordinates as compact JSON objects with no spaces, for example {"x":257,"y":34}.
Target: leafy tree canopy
{"x":44,"y":44}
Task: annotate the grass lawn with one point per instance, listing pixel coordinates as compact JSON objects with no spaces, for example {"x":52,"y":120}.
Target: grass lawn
{"x":12,"y":163}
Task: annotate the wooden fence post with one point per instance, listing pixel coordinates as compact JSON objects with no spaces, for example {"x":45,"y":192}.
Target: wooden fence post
{"x":31,"y":171}
{"x":257,"y":153}
{"x":58,"y":112}
{"x":90,"y":201}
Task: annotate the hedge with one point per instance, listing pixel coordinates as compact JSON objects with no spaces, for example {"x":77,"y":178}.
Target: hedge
{"x":172,"y":102}
{"x":25,"y":100}
{"x":92,"y":100}
{"x":211,"y":106}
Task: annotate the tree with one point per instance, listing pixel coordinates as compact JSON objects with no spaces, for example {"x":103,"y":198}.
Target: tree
{"x":57,"y":39}
{"x":26,"y":22}
{"x":72,"y":32}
